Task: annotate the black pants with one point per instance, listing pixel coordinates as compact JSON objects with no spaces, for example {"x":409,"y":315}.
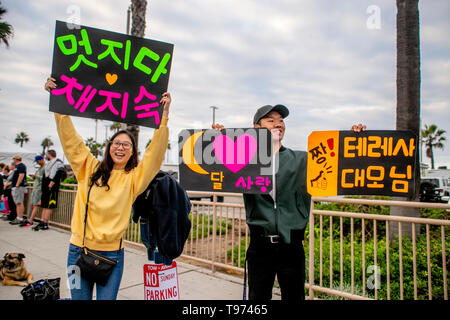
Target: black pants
{"x":266,"y":260}
{"x":11,"y":204}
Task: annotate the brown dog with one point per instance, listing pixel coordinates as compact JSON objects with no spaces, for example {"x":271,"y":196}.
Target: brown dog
{"x":12,"y":270}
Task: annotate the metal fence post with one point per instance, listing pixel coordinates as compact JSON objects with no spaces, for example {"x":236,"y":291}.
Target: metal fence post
{"x":311,"y":251}
{"x":214,"y":226}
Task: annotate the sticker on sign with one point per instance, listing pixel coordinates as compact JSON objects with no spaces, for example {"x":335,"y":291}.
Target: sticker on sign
{"x":161,"y":282}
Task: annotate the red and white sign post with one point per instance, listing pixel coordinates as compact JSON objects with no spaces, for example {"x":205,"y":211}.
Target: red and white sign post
{"x":161,"y":282}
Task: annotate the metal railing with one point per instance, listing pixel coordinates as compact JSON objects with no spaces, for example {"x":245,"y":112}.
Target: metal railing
{"x":382,"y":248}
{"x":369,"y":262}
{"x":219,"y":235}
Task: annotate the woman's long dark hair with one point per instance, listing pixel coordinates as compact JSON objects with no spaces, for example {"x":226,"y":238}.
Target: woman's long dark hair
{"x":103,"y":171}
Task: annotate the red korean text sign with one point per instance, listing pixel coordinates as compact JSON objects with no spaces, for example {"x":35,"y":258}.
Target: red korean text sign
{"x":107,"y":75}
{"x":366,"y":163}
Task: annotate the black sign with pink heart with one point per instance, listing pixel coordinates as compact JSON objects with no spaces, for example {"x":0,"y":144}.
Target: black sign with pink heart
{"x":231,"y":160}
{"x":107,"y":75}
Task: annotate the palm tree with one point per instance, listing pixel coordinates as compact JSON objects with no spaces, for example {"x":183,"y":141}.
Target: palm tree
{"x":116,"y":126}
{"x":6,"y":30}
{"x":21,"y":138}
{"x":94,"y":147}
{"x":408,"y":91}
{"x":45,"y":144}
{"x":432,"y":137}
{"x":138,"y":11}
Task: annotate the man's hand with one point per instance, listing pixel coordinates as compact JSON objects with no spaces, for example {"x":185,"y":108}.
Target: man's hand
{"x":50,"y":185}
{"x":20,"y":179}
{"x":358,"y":128}
{"x":217,"y":126}
{"x":50,"y":84}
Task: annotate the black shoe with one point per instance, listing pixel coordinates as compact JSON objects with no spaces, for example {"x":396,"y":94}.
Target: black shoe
{"x":44,"y":226}
{"x":38,"y":227}
{"x":25,"y":223}
{"x":15,"y":221}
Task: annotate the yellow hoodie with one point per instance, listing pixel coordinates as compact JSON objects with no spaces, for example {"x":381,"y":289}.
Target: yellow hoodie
{"x":109,"y":210}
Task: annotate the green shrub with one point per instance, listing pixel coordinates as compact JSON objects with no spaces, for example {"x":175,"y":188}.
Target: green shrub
{"x":205,"y":226}
{"x":394,"y":266}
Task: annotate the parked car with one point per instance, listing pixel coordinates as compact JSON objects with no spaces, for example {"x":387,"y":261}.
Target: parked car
{"x":429,"y":192}
{"x":434,"y":189}
{"x":441,"y":183}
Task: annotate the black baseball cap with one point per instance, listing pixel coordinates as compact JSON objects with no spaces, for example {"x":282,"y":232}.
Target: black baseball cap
{"x":263,"y":111}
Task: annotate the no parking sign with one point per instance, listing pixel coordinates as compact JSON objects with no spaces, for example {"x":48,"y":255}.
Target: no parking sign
{"x":161,"y":282}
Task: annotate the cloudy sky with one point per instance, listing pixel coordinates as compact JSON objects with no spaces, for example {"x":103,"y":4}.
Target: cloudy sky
{"x":332,"y":63}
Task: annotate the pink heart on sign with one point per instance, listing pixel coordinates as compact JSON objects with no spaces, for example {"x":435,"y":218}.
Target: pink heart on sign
{"x":235,"y":155}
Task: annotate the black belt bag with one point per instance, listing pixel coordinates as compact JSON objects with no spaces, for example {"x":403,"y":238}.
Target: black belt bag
{"x":94,"y":266}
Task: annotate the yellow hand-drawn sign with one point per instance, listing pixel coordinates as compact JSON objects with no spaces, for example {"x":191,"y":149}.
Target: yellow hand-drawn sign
{"x":323,"y":151}
{"x":375,"y":162}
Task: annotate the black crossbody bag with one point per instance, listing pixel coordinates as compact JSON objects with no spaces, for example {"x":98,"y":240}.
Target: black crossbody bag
{"x":94,"y":266}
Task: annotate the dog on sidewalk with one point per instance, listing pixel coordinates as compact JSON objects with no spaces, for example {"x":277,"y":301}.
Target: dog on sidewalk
{"x":12,"y":270}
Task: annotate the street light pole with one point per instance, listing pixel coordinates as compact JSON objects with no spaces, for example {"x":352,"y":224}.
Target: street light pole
{"x":214,"y":113}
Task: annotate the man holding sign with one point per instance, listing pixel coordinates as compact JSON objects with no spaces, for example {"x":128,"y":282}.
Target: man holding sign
{"x":277,"y":222}
{"x":107,"y":188}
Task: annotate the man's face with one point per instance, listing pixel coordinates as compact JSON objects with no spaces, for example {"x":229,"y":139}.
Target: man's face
{"x":274,"y":122}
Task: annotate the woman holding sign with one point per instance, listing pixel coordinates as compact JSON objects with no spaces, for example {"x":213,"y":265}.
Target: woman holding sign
{"x":106,"y":192}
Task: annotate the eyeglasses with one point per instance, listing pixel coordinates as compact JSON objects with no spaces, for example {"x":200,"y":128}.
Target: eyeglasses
{"x":126,"y":145}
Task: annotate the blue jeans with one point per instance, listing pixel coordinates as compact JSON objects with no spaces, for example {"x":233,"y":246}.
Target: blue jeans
{"x":82,"y":289}
{"x":149,"y":241}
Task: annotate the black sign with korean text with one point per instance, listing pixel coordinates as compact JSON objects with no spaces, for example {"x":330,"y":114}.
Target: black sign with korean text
{"x":231,"y":160}
{"x":372,"y":162}
{"x":107,"y":75}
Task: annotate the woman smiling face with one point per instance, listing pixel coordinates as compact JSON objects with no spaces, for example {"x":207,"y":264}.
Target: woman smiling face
{"x":121,"y":150}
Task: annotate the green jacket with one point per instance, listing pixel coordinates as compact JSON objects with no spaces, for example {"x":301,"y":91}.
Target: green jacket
{"x":293,"y":202}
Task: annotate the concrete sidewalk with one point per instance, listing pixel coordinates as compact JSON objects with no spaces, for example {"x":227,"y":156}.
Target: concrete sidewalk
{"x":46,"y":257}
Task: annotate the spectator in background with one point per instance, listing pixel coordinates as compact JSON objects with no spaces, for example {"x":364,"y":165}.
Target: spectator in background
{"x":18,"y":188}
{"x":37,"y":191}
{"x":2,"y":206}
{"x":8,"y":192}
{"x":50,"y":188}
{"x":2,"y":166}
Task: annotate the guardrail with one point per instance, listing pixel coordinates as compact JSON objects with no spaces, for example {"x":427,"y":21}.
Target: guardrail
{"x":360,"y":252}
{"x":385,"y":247}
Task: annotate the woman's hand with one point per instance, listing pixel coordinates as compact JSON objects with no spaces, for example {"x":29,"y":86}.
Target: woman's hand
{"x":166,"y":100}
{"x":50,"y":84}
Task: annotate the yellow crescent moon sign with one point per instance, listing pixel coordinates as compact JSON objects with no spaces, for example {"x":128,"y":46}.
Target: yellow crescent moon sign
{"x":188,"y":154}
